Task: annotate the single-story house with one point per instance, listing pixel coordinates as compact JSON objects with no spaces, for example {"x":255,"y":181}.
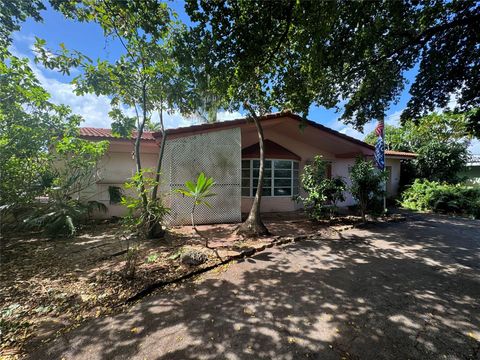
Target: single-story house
{"x":228,"y":151}
{"x":472,"y":171}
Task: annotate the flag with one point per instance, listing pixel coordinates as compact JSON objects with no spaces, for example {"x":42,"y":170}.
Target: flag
{"x":380,"y":146}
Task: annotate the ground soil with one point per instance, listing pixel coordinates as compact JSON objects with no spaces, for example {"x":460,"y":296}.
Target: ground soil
{"x":408,"y":290}
{"x":48,"y":286}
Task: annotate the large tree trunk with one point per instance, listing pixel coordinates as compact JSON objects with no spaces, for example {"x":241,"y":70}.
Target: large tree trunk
{"x":253,"y":226}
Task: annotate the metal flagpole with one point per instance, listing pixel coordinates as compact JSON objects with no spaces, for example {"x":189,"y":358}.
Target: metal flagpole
{"x":380,"y":156}
{"x":384,"y":169}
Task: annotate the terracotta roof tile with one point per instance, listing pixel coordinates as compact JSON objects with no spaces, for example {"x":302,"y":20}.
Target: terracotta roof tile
{"x":90,"y":132}
{"x":100,"y":133}
{"x":400,"y":153}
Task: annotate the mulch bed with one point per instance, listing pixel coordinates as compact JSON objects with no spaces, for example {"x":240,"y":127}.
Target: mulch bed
{"x":48,"y":286}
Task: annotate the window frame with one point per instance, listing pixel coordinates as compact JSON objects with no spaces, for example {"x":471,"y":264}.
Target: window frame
{"x":272,"y":178}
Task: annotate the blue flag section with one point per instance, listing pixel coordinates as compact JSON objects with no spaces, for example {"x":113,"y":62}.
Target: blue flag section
{"x":380,"y":153}
{"x":380,"y":146}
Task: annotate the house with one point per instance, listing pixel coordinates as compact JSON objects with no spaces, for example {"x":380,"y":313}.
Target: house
{"x":472,"y":172}
{"x":228,"y":151}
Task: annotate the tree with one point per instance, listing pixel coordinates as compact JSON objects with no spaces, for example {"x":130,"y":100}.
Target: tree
{"x":322,"y":193}
{"x":412,"y":135}
{"x":440,"y":140}
{"x":144,"y":79}
{"x":296,"y":54}
{"x":199,"y":192}
{"x":38,"y":142}
{"x":366,"y":185}
{"x":394,"y":138}
{"x":354,"y":51}
{"x":231,"y":43}
{"x":13,"y":14}
{"x":441,"y":161}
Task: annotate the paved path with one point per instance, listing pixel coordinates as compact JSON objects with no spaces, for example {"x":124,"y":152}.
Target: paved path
{"x":396,"y":291}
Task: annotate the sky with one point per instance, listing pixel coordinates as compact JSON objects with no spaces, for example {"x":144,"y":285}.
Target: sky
{"x":88,"y":38}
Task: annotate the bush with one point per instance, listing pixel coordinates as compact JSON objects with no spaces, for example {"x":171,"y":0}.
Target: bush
{"x":424,"y":195}
{"x":322,"y":193}
{"x":366,"y":185}
{"x":139,"y":219}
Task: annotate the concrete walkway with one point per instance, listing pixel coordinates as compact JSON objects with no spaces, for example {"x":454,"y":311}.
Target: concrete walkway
{"x":396,"y":291}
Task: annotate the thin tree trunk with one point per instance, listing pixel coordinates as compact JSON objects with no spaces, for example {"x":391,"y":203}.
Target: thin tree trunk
{"x":155,"y":229}
{"x":137,"y":148}
{"x":254,"y":226}
{"x":192,"y":213}
{"x":160,"y":157}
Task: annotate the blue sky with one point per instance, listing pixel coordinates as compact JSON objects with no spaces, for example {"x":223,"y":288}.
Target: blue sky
{"x":88,"y":38}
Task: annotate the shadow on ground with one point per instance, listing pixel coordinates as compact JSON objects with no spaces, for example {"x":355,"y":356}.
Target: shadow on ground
{"x":395,"y":291}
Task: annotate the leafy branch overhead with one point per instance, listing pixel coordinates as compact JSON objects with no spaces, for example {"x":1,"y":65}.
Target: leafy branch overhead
{"x":349,"y":54}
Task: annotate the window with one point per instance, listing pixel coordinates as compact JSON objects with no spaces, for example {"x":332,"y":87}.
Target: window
{"x":115,"y":194}
{"x":280,"y":177}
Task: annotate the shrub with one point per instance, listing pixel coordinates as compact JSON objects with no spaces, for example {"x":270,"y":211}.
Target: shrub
{"x":424,"y":195}
{"x":61,"y":216}
{"x":140,"y":219}
{"x":366,"y":185}
{"x":323,"y":193}
{"x":442,"y":161}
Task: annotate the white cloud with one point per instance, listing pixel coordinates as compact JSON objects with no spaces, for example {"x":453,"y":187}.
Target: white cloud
{"x":228,"y":115}
{"x":94,"y":109}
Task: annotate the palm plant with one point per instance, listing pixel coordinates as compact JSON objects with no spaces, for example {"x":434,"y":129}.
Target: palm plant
{"x":199,"y":191}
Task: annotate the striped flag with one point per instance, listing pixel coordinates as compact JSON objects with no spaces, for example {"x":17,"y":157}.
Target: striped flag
{"x":380,"y":146}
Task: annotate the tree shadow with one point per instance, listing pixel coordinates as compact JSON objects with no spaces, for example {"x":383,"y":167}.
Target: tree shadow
{"x":408,"y":290}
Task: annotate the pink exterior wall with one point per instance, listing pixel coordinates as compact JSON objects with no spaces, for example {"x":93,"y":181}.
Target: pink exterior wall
{"x":307,"y":143}
{"x":114,"y":169}
{"x":118,"y":164}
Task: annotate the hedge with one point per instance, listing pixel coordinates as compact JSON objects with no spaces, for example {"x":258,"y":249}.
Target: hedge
{"x":424,"y":195}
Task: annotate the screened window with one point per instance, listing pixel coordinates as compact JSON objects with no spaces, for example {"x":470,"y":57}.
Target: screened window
{"x":280,"y":177}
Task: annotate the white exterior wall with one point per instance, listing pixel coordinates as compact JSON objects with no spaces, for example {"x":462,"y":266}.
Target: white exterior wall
{"x":218,"y":155}
{"x":394,"y":178}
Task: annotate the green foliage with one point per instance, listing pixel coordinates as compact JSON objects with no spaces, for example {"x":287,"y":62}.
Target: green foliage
{"x":414,"y":134}
{"x":72,"y":170}
{"x":199,"y":191}
{"x":61,"y":216}
{"x":115,"y":194}
{"x":139,"y":218}
{"x":440,"y":140}
{"x":301,"y":53}
{"x":15,"y":12}
{"x":145,"y":78}
{"x":30,"y":125}
{"x":424,"y":195}
{"x":366,"y":185}
{"x":441,"y":161}
{"x":152,"y":258}
{"x":322,"y":193}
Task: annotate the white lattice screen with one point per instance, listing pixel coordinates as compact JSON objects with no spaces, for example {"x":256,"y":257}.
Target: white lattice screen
{"x":218,"y":155}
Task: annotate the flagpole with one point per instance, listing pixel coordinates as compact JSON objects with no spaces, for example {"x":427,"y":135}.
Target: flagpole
{"x":384,"y":169}
{"x":380,"y":156}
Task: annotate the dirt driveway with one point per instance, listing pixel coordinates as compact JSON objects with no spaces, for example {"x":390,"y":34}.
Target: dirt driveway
{"x":395,"y":291}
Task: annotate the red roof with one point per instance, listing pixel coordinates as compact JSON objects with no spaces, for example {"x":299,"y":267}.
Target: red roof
{"x":90,"y":132}
{"x":400,"y":154}
{"x":272,"y":151}
{"x":99,"y":133}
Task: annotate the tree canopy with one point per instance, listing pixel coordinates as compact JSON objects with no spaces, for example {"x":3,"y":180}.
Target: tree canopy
{"x":351,"y":53}
{"x":440,"y":140}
